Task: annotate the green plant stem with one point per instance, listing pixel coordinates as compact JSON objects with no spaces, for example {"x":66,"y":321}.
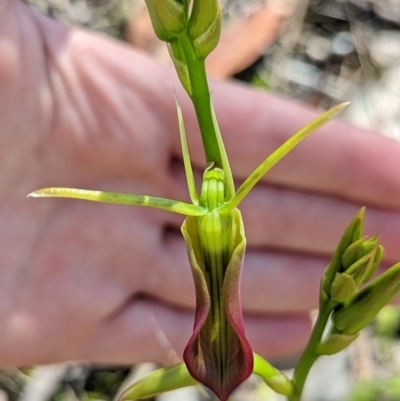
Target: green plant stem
{"x":201,"y":100}
{"x":310,"y":355}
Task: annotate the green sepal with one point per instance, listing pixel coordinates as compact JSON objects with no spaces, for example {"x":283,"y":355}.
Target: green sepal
{"x":167,"y":17}
{"x":170,"y":205}
{"x":160,"y":381}
{"x":351,"y":234}
{"x":280,"y":153}
{"x":272,"y":377}
{"x":353,"y":317}
{"x":335,"y":343}
{"x":204,"y":28}
{"x":343,"y":288}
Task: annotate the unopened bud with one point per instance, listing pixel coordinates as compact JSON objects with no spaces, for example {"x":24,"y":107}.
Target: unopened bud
{"x":335,"y":343}
{"x":343,"y":288}
{"x":205,"y":26}
{"x":167,"y":17}
{"x":377,"y":260}
{"x":351,"y":234}
{"x":363,"y":267}
{"x":354,"y":316}
{"x":357,"y":250}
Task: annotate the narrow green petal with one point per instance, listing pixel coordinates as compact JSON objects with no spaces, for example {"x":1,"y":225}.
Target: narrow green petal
{"x":273,"y":377}
{"x":194,"y":196}
{"x":159,"y":381}
{"x":120,"y":198}
{"x":281,"y":152}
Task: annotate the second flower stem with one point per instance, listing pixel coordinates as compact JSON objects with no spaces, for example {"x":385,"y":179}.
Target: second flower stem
{"x":310,"y":355}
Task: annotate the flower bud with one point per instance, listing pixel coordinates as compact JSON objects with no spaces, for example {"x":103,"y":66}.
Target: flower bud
{"x":377,"y":260}
{"x":335,"y":343}
{"x":351,"y":234}
{"x":363,"y":267}
{"x":354,"y":316}
{"x":205,"y":26}
{"x":357,"y":250}
{"x":343,"y":288}
{"x":168,"y":18}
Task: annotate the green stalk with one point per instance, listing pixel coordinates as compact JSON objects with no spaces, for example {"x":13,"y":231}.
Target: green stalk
{"x":310,"y":355}
{"x":201,"y":100}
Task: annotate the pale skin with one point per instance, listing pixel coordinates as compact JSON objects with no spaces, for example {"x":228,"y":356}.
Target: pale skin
{"x":89,"y":281}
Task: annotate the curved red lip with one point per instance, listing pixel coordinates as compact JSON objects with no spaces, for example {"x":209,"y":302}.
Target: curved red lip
{"x":218,"y":354}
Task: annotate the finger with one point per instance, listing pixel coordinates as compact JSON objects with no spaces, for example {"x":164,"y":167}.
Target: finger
{"x":272,"y":282}
{"x":340,"y":159}
{"x":134,"y":334}
{"x":306,"y":222}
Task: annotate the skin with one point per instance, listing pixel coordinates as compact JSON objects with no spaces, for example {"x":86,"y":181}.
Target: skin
{"x":99,"y":282}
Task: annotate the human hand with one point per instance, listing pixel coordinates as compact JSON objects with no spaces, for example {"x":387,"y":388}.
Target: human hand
{"x":91,"y":281}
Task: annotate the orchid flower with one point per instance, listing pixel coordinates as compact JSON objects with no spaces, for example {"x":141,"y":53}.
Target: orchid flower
{"x":217,"y":355}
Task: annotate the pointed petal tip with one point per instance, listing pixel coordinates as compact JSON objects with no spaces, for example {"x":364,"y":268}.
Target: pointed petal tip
{"x":34,"y":194}
{"x":336,"y":110}
{"x":41,"y":193}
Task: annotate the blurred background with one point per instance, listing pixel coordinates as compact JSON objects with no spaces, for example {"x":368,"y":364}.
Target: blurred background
{"x":321,"y":52}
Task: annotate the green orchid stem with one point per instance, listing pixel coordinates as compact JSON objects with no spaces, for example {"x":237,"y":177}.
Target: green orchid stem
{"x":310,"y":355}
{"x":201,"y":100}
